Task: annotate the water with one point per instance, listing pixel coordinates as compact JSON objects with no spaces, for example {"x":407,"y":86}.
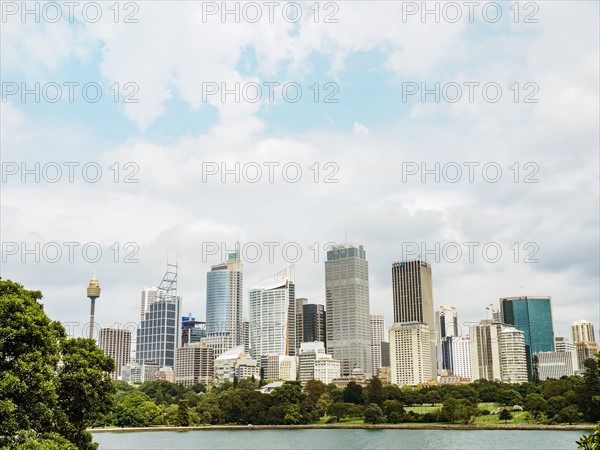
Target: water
{"x":341,"y":439}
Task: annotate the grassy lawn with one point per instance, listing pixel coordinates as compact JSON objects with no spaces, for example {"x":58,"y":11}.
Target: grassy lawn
{"x":422,"y":409}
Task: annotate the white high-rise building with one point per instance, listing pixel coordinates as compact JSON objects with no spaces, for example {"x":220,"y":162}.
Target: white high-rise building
{"x":195,"y":364}
{"x":149,"y":294}
{"x":272,"y":317}
{"x":446,"y":327}
{"x":582,"y":331}
{"x":513,"y":359}
{"x":498,"y":352}
{"x":347,"y":304}
{"x":116,"y":343}
{"x":410,"y":353}
{"x":460,"y":349}
{"x":288,"y":368}
{"x":377,"y":337}
{"x":584,"y":340}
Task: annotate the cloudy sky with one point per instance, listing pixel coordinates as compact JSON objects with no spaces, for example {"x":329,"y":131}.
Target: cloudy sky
{"x":471,"y":139}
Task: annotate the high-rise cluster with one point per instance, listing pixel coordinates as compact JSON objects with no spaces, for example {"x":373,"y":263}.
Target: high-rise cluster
{"x":289,"y":338}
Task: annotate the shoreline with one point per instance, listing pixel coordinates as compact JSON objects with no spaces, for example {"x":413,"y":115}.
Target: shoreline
{"x":349,"y":426}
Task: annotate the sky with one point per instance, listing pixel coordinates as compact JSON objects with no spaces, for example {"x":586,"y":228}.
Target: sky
{"x":137,"y":133}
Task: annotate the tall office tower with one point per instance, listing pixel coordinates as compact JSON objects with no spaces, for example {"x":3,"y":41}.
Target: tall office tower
{"x":93,"y":293}
{"x":195,"y":364}
{"x":582,"y":331}
{"x":413,"y":298}
{"x":446,"y":327}
{"x":513,"y":362}
{"x":159,"y":334}
{"x":272,"y":316}
{"x":460,"y":351}
{"x":485,"y":351}
{"x":192,"y":330}
{"x":561,"y":362}
{"x":347,"y":304}
{"x":533,"y":316}
{"x":300,"y":302}
{"x":148,"y":296}
{"x":498,"y":352}
{"x":584,"y":340}
{"x":313,"y":323}
{"x":116,"y":343}
{"x":224,"y":304}
{"x":377,"y":337}
{"x":410,"y":349}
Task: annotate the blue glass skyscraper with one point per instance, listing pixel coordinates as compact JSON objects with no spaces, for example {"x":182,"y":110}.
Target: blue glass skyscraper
{"x":533,"y":316}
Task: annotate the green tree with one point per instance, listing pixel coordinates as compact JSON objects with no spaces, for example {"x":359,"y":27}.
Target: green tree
{"x":353,"y":393}
{"x":590,"y":441}
{"x":324,"y":403}
{"x":38,"y":397}
{"x":29,"y":440}
{"x":589,"y":391}
{"x":505,"y":415}
{"x":136,"y":410}
{"x":535,"y":404}
{"x":450,"y":409}
{"x":375,"y":393}
{"x":183,"y":414}
{"x":314,"y":389}
{"x":373,"y":414}
{"x":432,"y":397}
{"x":467,"y":411}
{"x":293,"y":415}
{"x":290,"y":392}
{"x":29,"y":354}
{"x":85,"y":389}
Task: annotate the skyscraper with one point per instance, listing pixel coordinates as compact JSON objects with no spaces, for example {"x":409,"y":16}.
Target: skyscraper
{"x":584,"y":340}
{"x":158,"y":335}
{"x":272,"y":316}
{"x":224,"y":296}
{"x":582,"y":331}
{"x":460,"y":348}
{"x":116,"y":343}
{"x":192,"y":330}
{"x":410,"y":353}
{"x":313,"y":323}
{"x":413,"y":299}
{"x":148,"y":296}
{"x":347,"y":304}
{"x":300,"y":302}
{"x":498,"y":352}
{"x":446,"y":327}
{"x":533,"y":316}
{"x":377,"y":337}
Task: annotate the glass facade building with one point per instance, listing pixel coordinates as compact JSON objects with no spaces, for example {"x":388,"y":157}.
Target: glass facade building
{"x":224,"y":288}
{"x":158,"y":334}
{"x":533,"y":316}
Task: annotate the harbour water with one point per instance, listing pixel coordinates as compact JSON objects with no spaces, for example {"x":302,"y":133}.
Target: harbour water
{"x":341,"y":439}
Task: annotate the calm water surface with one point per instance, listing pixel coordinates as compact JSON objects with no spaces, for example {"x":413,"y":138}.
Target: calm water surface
{"x":341,"y":439}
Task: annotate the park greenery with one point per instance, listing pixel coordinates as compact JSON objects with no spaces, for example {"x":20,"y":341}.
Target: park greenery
{"x":52,"y":389}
